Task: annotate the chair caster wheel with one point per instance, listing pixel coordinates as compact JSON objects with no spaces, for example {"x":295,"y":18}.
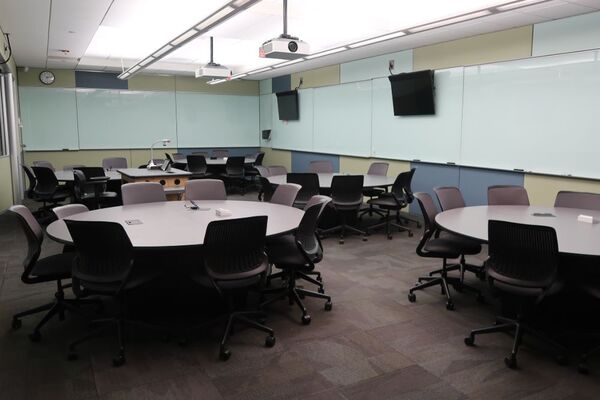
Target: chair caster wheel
{"x":35,"y":336}
{"x":270,"y":341}
{"x":412,"y":297}
{"x":410,"y":234}
{"x":305,"y":319}
{"x":118,"y":361}
{"x":562,"y":360}
{"x":341,"y":241}
{"x":328,"y":306}
{"x":224,"y":354}
{"x":364,"y":238}
{"x":321,"y":290}
{"x":470,"y":341}
{"x":480,"y":298}
{"x":72,"y":356}
{"x":511,"y":361}
{"x":16,"y":323}
{"x":582,"y":368}
{"x":389,"y":237}
{"x":449,"y":306}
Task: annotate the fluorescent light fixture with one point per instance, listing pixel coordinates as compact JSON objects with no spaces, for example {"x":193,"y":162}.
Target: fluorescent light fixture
{"x":236,"y":76}
{"x":518,"y":4}
{"x":450,"y":21}
{"x":134,"y":68}
{"x":143,"y":63}
{"x":377,"y":39}
{"x":216,"y":81}
{"x":327,"y":52}
{"x":290,"y":62}
{"x":258,"y":71}
{"x":208,"y":22}
{"x":183,"y":37}
{"x":240,"y":3}
{"x":162,"y":51}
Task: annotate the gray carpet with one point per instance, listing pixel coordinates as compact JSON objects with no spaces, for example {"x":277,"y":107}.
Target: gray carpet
{"x":374,"y":344}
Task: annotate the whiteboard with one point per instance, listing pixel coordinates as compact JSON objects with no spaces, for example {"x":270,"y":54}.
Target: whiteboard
{"x":342,"y":119}
{"x":217,"y":120}
{"x":266,"y":117}
{"x":112,"y":119}
{"x":49,"y":118}
{"x":538,"y":114}
{"x":294,"y":135}
{"x":434,"y":138}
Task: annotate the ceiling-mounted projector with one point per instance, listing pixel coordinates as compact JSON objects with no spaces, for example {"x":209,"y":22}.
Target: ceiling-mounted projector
{"x":212,"y":69}
{"x":285,"y":46}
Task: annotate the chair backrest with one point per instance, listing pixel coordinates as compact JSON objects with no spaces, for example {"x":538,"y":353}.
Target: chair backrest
{"x":309,"y":183}
{"x":142,"y":192}
{"x":92,"y":172}
{"x":266,"y":189}
{"x":34,"y":235}
{"x":586,"y":201}
{"x":277,"y":170}
{"x":378,"y":168}
{"x":263,"y":171}
{"x":507,"y":195}
{"x":220,"y":153}
{"x":522,"y":257}
{"x":234,"y":249}
{"x":258,"y":160}
{"x":306,"y":234}
{"x":104,"y":254}
{"x":200,"y":153}
{"x":46,"y":181}
{"x":205,"y":189}
{"x":285,"y":194}
{"x":178,"y":157}
{"x":32,"y":181}
{"x":234,"y":166}
{"x":68,"y":210}
{"x":449,"y":197}
{"x":347,"y":189}
{"x":72,"y":167}
{"x":80,"y":185}
{"x":46,"y":164}
{"x":429,"y":211}
{"x":196,"y":163}
{"x":114,"y":163}
{"x":407,"y":178}
{"x":321,"y":167}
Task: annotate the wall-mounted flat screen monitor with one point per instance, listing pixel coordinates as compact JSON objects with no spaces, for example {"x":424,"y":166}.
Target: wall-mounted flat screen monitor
{"x":287,"y":105}
{"x":413,"y":93}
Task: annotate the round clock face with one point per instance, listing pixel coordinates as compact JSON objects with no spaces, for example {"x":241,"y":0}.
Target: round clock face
{"x":47,"y":77}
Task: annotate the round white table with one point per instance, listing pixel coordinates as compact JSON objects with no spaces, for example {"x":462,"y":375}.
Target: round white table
{"x":67,"y":176}
{"x":172,"y":224}
{"x":325,"y":180}
{"x":574,"y":237}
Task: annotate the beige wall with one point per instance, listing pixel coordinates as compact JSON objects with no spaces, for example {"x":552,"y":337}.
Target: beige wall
{"x":317,"y":77}
{"x":361,"y":165}
{"x":277,"y":157}
{"x":63,"y":78}
{"x":6,"y":192}
{"x":542,"y":189}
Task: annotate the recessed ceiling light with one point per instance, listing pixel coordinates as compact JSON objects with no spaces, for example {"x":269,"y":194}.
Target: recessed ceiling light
{"x":377,"y":39}
{"x":183,"y":37}
{"x":450,"y":21}
{"x":214,"y":18}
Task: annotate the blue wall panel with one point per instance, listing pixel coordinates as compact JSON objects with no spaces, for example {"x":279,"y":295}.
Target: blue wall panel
{"x":99,"y":80}
{"x":428,"y":176}
{"x":301,"y":160}
{"x":474,"y":183}
{"x":281,"y":83}
{"x":233,"y":151}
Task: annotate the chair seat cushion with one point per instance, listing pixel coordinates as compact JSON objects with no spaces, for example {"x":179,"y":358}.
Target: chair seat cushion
{"x":372,"y":192}
{"x":346,"y":205}
{"x":441,"y":248}
{"x":462,"y":244}
{"x":54,"y":267}
{"x":387,"y":202}
{"x":283,"y":252}
{"x":140,"y":275}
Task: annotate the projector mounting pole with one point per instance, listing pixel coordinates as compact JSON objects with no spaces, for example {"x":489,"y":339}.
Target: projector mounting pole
{"x":284,"y":18}
{"x":211,"y":51}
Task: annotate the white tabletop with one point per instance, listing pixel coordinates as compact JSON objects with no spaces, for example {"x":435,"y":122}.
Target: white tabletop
{"x":574,"y":237}
{"x":325,"y":180}
{"x":67,"y":176}
{"x":171,"y":224}
{"x":151,"y":173}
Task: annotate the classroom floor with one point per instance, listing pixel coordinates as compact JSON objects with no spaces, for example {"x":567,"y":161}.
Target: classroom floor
{"x":374,"y":344}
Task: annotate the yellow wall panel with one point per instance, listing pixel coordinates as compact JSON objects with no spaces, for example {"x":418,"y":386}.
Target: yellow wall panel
{"x":497,"y":46}
{"x":6,"y":192}
{"x":359,"y":165}
{"x":542,"y":189}
{"x":64,"y":78}
{"x":317,"y":77}
{"x":277,"y":157}
{"x":152,"y":82}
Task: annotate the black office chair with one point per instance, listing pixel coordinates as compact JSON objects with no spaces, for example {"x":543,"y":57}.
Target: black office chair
{"x":296,"y":256}
{"x":379,"y":169}
{"x":523,"y":267}
{"x":589,"y":285}
{"x":395,"y":200}
{"x":450,"y":197}
{"x":310,"y":186}
{"x":407,"y":185}
{"x":196,"y":164}
{"x":30,"y":192}
{"x":432,"y":246}
{"x":251,"y":171}
{"x":234,"y":173}
{"x":47,"y":188}
{"x":90,"y":188}
{"x":346,"y":194}
{"x":105,"y":265}
{"x":55,"y":268}
{"x":235,"y":260}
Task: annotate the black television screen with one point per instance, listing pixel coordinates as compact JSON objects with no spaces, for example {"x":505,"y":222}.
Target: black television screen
{"x":287,"y":105}
{"x":413,"y":93}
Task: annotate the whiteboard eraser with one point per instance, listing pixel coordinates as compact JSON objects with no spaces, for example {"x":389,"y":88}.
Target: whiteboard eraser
{"x":223,"y":212}
{"x":585,"y":218}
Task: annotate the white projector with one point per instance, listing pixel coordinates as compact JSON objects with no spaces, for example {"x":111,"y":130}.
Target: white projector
{"x":284,"y":47}
{"x":213,"y":70}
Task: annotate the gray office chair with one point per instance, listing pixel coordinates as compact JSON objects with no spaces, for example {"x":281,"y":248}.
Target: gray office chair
{"x":114,"y":163}
{"x":71,"y":167}
{"x":142,"y":192}
{"x":309,"y":183}
{"x":205,"y":189}
{"x":68,"y":210}
{"x":379,"y":169}
{"x":277,"y":170}
{"x":285,"y":194}
{"x":395,"y":200}
{"x":346,"y":194}
{"x":321,"y":167}
{"x":507,"y":195}
{"x":263,"y":171}
{"x":586,"y":201}
{"x":46,"y":164}
{"x":220,"y":153}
